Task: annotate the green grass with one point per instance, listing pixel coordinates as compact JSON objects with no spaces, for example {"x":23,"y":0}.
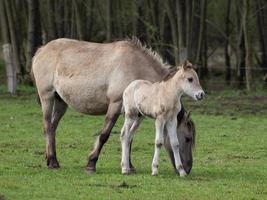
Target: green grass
{"x":230,"y":160}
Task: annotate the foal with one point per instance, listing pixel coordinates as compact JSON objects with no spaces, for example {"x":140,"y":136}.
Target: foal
{"x":161,"y":101}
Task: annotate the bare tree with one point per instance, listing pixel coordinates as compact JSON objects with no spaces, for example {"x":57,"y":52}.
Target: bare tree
{"x":7,"y":51}
{"x":262,"y":26}
{"x":173,"y":24}
{"x":13,"y":37}
{"x":108,"y":20}
{"x":227,"y":47}
{"x":34,"y":31}
{"x":248,"y":48}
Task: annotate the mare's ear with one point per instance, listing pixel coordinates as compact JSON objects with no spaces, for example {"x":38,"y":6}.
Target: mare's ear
{"x":187,"y":65}
{"x":188,"y":115}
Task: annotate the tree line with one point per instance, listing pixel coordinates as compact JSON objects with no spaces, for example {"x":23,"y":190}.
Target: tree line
{"x":177,"y":29}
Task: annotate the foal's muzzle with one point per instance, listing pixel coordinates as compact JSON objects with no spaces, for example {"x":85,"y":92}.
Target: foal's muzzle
{"x":200,"y":95}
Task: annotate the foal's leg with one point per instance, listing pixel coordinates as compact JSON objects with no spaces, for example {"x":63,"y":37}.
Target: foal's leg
{"x":133,"y":129}
{"x":126,"y":137}
{"x":112,"y":115}
{"x":158,"y":143}
{"x":171,"y":128}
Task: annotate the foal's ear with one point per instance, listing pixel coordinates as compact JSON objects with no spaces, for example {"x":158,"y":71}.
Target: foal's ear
{"x":187,"y":65}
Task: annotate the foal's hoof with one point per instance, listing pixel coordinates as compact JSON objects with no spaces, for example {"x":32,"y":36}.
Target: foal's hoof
{"x":90,"y":170}
{"x":154,"y":173}
{"x":52,"y":164}
{"x":182,"y":173}
{"x":126,"y":172}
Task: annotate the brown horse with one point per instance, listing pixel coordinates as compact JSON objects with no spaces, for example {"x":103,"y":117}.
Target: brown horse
{"x":89,"y":77}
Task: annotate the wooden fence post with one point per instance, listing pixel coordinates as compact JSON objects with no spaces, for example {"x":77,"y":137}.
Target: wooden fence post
{"x":10,"y":68}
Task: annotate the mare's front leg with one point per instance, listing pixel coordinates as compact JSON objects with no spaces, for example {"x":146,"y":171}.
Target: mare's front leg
{"x":171,"y":128}
{"x":112,"y":115}
{"x":159,"y":124}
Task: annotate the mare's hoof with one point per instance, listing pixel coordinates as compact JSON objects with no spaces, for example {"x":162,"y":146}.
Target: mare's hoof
{"x":52,"y":164}
{"x":132,"y":170}
{"x":90,"y":170}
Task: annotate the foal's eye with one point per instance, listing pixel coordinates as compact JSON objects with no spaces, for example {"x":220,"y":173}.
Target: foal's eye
{"x":190,"y":79}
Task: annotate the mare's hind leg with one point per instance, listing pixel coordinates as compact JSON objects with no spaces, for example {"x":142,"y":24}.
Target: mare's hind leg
{"x":112,"y":115}
{"x":53,"y":109}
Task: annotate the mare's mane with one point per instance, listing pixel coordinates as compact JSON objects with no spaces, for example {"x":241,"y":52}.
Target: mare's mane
{"x":148,"y":51}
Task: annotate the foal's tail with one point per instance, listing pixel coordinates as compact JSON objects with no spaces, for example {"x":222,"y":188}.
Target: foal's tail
{"x":122,"y":109}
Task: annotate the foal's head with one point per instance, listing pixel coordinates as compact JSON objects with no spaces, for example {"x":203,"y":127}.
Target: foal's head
{"x":189,"y":82}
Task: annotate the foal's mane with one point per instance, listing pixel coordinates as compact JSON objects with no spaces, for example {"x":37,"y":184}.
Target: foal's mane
{"x":170,"y":74}
{"x":148,"y":51}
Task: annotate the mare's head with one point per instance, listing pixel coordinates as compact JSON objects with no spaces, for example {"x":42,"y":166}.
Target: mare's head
{"x":189,"y":82}
{"x":186,"y":134}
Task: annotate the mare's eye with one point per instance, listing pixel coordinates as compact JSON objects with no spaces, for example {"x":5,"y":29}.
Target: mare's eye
{"x":187,"y":139}
{"x":190,"y":79}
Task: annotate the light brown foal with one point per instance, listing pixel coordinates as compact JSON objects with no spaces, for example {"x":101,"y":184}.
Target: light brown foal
{"x":161,"y":101}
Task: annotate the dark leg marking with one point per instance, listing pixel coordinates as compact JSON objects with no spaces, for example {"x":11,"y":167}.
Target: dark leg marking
{"x":132,"y":168}
{"x":110,"y":120}
{"x":51,"y":122}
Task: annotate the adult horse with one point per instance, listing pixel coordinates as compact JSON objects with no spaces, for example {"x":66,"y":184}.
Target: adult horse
{"x":90,"y":77}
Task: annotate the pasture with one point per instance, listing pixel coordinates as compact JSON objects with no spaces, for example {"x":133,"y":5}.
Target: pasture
{"x":230,"y":159}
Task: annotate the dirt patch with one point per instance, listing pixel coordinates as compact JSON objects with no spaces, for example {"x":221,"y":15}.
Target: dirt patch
{"x":122,"y":185}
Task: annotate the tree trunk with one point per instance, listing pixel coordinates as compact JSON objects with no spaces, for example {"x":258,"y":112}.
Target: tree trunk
{"x":10,"y":68}
{"x":7,"y":51}
{"x":12,"y":32}
{"x":241,"y":53}
{"x":4,"y":25}
{"x":79,"y":20}
{"x":52,"y":29}
{"x":181,"y":26}
{"x":108,"y":20}
{"x":247,"y":44}
{"x":60,"y":17}
{"x":173,"y":30}
{"x":188,"y":28}
{"x":200,"y":46}
{"x":227,"y":47}
{"x":89,"y":20}
{"x":34,"y":31}
{"x":262,"y":26}
{"x":134,"y":18}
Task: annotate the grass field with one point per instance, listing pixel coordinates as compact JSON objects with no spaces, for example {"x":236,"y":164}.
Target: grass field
{"x":230,"y":160}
